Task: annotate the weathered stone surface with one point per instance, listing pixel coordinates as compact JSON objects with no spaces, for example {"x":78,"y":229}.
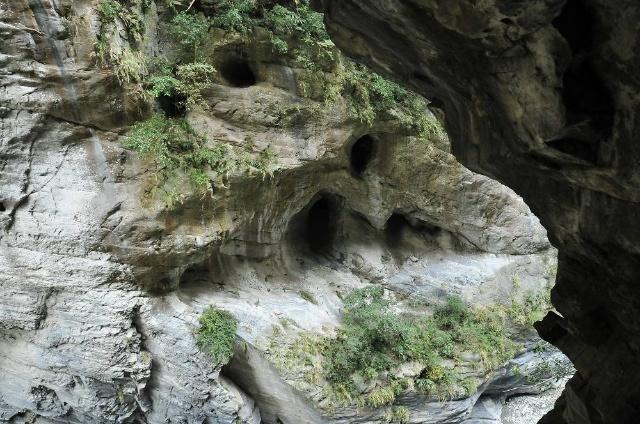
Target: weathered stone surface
{"x":541,"y":95}
{"x":82,"y":340}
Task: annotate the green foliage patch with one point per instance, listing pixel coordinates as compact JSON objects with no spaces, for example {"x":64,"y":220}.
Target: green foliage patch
{"x":109,"y":10}
{"x":189,"y":29}
{"x":235,"y":15}
{"x":179,"y":153}
{"x":217,"y":333}
{"x":374,"y":340}
{"x":381,"y":335}
{"x":533,"y":308}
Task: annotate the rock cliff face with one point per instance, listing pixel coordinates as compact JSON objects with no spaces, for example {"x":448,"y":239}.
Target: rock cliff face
{"x":102,"y":288}
{"x":541,"y":95}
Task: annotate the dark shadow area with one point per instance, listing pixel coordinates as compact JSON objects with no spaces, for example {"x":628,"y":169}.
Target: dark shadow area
{"x":315,"y":229}
{"x":2,"y":207}
{"x":362,"y":152}
{"x":401,"y":231}
{"x":237,"y":72}
{"x":396,"y":225}
{"x":588,"y":103}
{"x":577,"y":148}
{"x":174,"y":106}
{"x":321,"y":226}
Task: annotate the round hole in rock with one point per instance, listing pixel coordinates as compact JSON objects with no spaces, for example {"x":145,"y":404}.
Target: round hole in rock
{"x":237,"y":72}
{"x":173,"y":106}
{"x":362,"y":153}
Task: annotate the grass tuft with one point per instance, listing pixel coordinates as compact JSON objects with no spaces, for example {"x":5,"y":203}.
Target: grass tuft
{"x":217,"y":333}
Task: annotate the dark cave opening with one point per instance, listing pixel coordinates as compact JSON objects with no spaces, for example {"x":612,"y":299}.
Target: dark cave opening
{"x":398,"y":225}
{"x":237,"y":72}
{"x":173,"y":106}
{"x":586,"y":98}
{"x":362,"y":152}
{"x":2,"y":207}
{"x":575,"y":22}
{"x":321,"y":225}
{"x":315,"y":229}
{"x":394,"y":229}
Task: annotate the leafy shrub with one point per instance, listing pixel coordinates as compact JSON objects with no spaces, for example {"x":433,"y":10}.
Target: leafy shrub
{"x":193,"y":78}
{"x":172,"y":145}
{"x":381,"y":396}
{"x":189,"y":29}
{"x":398,"y":414}
{"x":534,"y":307}
{"x":235,"y":15}
{"x":217,"y":333}
{"x":374,"y":339}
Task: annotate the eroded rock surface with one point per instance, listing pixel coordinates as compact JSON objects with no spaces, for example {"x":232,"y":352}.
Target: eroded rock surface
{"x":541,"y":95}
{"x":101,"y":289}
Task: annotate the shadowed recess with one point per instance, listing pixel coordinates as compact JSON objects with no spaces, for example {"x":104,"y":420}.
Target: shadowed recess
{"x":173,"y":106}
{"x":362,"y":152}
{"x":237,"y":72}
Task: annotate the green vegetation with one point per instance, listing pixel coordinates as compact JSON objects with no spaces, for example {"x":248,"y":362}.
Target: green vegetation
{"x":381,"y":335}
{"x":397,"y":414}
{"x":235,"y":15}
{"x":109,"y":10}
{"x":178,"y":152}
{"x":531,"y":309}
{"x":186,"y":80}
{"x":217,"y":333}
{"x":374,"y":340}
{"x":129,"y":66}
{"x":549,"y":368}
{"x":189,"y":30}
{"x":297,"y":35}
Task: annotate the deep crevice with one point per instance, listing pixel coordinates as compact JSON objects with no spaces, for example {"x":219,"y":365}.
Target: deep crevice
{"x":237,"y":72}
{"x":2,"y":207}
{"x":362,"y":152}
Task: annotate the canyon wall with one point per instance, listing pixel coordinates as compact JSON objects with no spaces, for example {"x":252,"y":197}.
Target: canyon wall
{"x":541,"y":95}
{"x":102,"y":284}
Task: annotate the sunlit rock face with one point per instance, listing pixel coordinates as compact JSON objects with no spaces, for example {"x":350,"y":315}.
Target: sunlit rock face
{"x":542,"y":95}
